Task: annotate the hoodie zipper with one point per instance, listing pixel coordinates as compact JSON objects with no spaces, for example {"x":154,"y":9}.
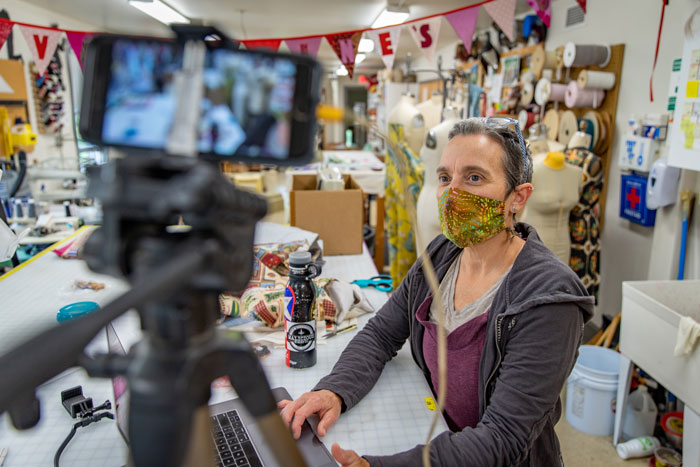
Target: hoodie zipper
{"x":499,"y":322}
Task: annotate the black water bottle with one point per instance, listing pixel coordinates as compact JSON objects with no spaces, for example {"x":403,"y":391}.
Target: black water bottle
{"x":299,"y":316}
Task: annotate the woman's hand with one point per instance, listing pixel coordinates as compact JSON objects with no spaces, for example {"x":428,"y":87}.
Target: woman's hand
{"x":325,"y":403}
{"x":347,"y":457}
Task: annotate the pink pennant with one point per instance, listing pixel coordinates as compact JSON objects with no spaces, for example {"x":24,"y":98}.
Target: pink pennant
{"x":464,"y":23}
{"x":543,"y":8}
{"x":76,"y":41}
{"x":42,"y":44}
{"x":344,"y":44}
{"x":306,"y":46}
{"x":271,"y":44}
{"x":503,"y":13}
{"x":425,"y":33}
{"x":5,"y":31}
{"x":386,"y":41}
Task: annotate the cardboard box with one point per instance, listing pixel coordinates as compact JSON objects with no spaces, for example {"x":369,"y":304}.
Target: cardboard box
{"x":336,"y":216}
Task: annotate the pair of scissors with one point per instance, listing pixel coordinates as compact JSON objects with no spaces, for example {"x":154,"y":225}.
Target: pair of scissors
{"x":382,"y":282}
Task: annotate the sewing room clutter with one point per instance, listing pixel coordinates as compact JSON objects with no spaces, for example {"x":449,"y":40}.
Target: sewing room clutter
{"x":370,"y":233}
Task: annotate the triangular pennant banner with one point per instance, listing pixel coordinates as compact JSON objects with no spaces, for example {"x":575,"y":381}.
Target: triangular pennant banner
{"x":543,"y":8}
{"x":345,"y":47}
{"x":503,"y":12}
{"x":464,"y":23}
{"x":42,"y":44}
{"x":386,"y":41}
{"x":5,"y":30}
{"x":425,"y":33}
{"x":76,"y":41}
{"x":582,"y":4}
{"x":306,"y":46}
{"x":272,"y":44}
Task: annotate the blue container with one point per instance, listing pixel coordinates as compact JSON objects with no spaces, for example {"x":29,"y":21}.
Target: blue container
{"x":633,"y":200}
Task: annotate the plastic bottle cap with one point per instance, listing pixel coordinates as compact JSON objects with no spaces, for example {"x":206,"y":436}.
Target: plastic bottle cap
{"x":299,"y":258}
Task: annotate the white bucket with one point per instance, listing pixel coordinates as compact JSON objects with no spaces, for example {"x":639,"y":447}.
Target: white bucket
{"x":591,"y":391}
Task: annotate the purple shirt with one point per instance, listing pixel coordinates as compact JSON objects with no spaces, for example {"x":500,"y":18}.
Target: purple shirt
{"x":464,"y":346}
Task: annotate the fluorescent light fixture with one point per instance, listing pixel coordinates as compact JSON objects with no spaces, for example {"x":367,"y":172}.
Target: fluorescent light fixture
{"x":366,"y":46}
{"x":159,"y":11}
{"x":359,"y":58}
{"x":391,"y":15}
{"x":341,"y":71}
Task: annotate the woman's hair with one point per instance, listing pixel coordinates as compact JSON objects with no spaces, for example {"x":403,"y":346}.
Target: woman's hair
{"x":518,"y":169}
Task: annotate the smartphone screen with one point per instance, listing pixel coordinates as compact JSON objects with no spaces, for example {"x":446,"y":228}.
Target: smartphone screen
{"x":246,"y":110}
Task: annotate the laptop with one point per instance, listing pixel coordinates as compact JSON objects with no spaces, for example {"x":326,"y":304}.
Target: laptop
{"x":237,"y":438}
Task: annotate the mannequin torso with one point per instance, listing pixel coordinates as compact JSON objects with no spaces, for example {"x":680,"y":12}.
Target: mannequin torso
{"x":556,"y":192}
{"x":406,"y":114}
{"x":431,"y":110}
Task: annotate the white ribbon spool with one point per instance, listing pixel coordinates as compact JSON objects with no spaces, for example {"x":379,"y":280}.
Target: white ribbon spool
{"x":588,"y":79}
{"x":527,"y":94}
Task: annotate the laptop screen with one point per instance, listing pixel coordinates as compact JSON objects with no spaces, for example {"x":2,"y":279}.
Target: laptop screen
{"x":121,"y":392}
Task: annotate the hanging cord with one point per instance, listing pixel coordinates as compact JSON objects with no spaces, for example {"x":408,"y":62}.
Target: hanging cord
{"x":656,"y":54}
{"x":84,"y":422}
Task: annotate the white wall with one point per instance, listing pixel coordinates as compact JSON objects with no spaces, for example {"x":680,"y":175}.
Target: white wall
{"x":46,"y":151}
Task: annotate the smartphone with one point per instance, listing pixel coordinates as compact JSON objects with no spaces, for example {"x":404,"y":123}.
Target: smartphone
{"x":256,"y":106}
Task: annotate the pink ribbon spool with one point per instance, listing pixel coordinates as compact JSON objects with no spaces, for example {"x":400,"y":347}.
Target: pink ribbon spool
{"x":558,"y":92}
{"x":577,"y":97}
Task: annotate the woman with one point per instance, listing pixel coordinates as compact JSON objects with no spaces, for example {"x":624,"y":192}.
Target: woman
{"x":514,"y":315}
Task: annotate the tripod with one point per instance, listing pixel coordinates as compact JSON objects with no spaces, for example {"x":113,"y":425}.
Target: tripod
{"x":176,"y":277}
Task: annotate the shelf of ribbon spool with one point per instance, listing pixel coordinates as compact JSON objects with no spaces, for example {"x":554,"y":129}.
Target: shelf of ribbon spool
{"x":582,"y":94}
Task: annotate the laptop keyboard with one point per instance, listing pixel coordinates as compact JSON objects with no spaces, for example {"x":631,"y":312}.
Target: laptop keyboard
{"x":232,"y":442}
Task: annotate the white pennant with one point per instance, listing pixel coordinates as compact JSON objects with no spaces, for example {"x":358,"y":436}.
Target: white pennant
{"x":386,"y":40}
{"x":42,"y":44}
{"x":425,"y":33}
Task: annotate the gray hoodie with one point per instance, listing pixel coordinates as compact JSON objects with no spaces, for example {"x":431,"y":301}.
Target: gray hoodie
{"x":534,"y":329}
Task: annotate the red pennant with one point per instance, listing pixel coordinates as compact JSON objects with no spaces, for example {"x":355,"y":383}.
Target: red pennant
{"x":306,"y":46}
{"x":5,"y":31}
{"x":42,"y":43}
{"x":345,"y":47}
{"x":464,"y":23}
{"x":543,"y":8}
{"x":76,"y":41}
{"x":582,"y":4}
{"x":271,"y":44}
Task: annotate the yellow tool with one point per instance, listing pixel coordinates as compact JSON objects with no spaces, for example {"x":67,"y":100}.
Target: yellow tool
{"x":14,"y":137}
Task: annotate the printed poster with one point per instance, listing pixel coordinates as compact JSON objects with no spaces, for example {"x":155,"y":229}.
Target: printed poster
{"x":685,"y":129}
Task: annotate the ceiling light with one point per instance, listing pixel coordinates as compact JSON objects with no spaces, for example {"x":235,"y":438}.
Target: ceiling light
{"x":391,"y":15}
{"x":341,"y":71}
{"x":366,"y":46}
{"x":159,"y":11}
{"x":359,"y":58}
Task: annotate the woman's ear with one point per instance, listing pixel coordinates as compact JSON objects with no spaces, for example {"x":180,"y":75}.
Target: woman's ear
{"x":520,"y":195}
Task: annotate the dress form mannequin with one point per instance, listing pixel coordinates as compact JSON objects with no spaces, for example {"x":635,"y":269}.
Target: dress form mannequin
{"x":556,"y":192}
{"x":538,"y":142}
{"x":431,"y":110}
{"x":406,"y":114}
{"x":427,"y":207}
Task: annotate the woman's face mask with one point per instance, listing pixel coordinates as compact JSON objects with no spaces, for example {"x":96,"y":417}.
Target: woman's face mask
{"x":468,"y":219}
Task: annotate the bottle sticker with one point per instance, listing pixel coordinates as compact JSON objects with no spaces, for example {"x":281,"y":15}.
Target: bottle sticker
{"x":301,"y":337}
{"x":290,"y":301}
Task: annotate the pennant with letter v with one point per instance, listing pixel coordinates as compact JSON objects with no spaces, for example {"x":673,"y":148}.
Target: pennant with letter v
{"x":42,"y":44}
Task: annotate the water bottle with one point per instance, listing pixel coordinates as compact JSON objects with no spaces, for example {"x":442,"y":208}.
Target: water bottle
{"x":641,"y":414}
{"x":299,"y":316}
{"x":638,"y":447}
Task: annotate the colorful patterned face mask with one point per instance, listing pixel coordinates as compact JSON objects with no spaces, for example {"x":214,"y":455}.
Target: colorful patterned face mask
{"x":467,"y":219}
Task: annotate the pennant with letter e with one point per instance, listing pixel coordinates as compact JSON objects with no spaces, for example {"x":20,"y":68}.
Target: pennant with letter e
{"x":425,"y":33}
{"x":77,"y":41}
{"x":306,"y":46}
{"x":42,"y":44}
{"x":345,"y":45}
{"x":5,"y":31}
{"x":386,"y":41}
{"x":271,"y":44}
{"x":503,"y":13}
{"x":464,"y":23}
{"x":543,"y":8}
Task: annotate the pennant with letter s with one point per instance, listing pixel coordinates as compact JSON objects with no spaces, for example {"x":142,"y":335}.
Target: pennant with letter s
{"x":42,"y":44}
{"x":306,"y":46}
{"x":386,"y":41}
{"x":543,"y":8}
{"x":425,"y":33}
{"x":464,"y":23}
{"x":503,"y":13}
{"x":345,"y":45}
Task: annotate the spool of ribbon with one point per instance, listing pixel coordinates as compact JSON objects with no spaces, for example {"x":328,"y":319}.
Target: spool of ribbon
{"x":577,"y":97}
{"x":546,"y":91}
{"x":586,"y":126}
{"x":588,"y":79}
{"x":568,"y":125}
{"x":586,"y":55}
{"x":526,"y":119}
{"x":527,"y":93}
{"x":551,"y":122}
{"x":542,"y":59}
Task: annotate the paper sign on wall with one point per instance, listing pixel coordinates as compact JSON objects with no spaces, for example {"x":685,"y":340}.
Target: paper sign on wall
{"x":503,"y":13}
{"x":386,"y":41}
{"x":425,"y":33}
{"x":42,"y":44}
{"x":306,"y":46}
{"x":685,"y":129}
{"x":345,"y":47}
{"x":464,"y":23}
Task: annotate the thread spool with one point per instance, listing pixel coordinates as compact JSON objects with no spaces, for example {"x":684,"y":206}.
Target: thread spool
{"x":525,"y":119}
{"x":586,"y":55}
{"x":542,"y":59}
{"x":551,"y":122}
{"x":568,"y":125}
{"x":586,"y":126}
{"x":546,"y":91}
{"x":527,"y":93}
{"x":592,"y":116}
{"x":577,"y":97}
{"x":588,"y":79}
{"x":559,"y":53}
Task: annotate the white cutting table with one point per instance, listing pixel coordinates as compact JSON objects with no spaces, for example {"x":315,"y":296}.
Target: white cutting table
{"x":392,"y":418}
